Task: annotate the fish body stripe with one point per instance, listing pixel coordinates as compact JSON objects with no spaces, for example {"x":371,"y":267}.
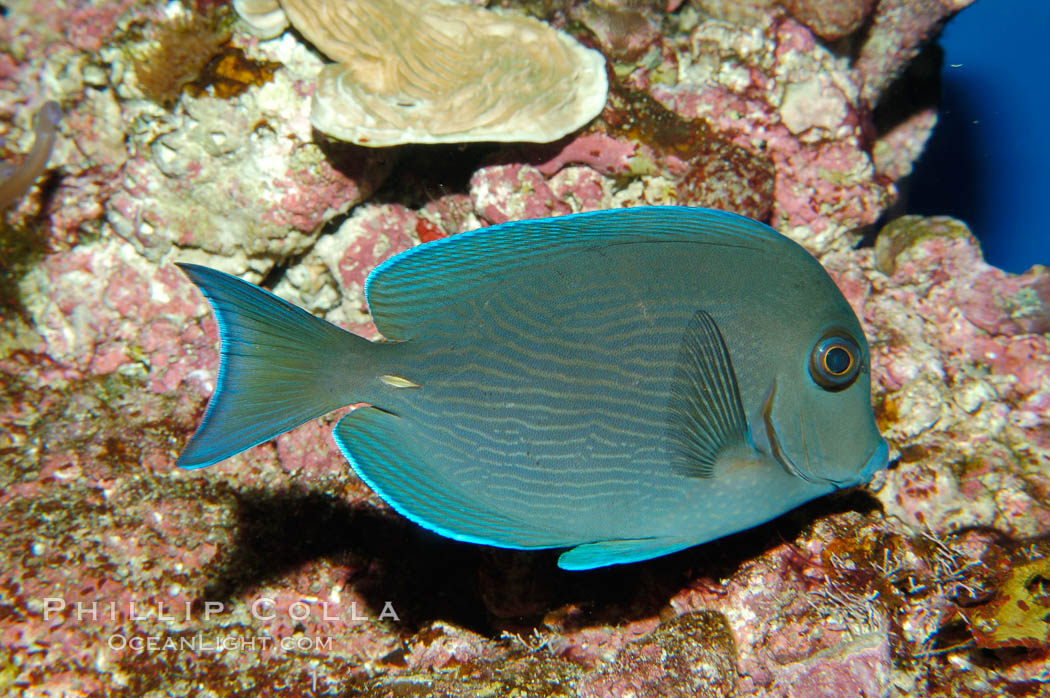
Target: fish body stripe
{"x":549,"y":428}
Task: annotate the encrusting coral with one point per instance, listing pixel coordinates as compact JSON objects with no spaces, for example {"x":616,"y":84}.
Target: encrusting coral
{"x":421,"y":71}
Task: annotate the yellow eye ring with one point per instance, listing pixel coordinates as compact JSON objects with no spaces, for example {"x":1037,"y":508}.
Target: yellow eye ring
{"x":837,"y":361}
{"x":834,"y":362}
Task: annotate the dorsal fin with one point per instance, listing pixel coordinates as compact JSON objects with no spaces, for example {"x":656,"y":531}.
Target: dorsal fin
{"x":404,"y":290}
{"x":705,"y":415}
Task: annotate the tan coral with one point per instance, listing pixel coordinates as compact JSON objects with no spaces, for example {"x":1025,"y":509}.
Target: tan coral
{"x":423,"y":71}
{"x":264,"y":18}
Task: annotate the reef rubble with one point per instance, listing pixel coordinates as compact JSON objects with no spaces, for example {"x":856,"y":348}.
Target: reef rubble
{"x":279,"y":571}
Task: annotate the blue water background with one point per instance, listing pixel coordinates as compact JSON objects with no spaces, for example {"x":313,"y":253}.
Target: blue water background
{"x":988,"y":162}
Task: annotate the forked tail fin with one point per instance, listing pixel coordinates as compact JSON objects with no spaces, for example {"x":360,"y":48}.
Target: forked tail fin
{"x":280,"y":366}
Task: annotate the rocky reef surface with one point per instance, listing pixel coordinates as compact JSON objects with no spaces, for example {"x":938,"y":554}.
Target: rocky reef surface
{"x":278,"y":572}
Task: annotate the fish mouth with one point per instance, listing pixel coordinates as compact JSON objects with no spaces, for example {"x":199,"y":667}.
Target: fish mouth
{"x":879,"y":459}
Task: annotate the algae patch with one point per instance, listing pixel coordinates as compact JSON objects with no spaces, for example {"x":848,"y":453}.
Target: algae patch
{"x":1020,"y":615}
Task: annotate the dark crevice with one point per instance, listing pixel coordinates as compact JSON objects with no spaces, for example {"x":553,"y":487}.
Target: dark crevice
{"x":424,"y":173}
{"x":487,"y":590}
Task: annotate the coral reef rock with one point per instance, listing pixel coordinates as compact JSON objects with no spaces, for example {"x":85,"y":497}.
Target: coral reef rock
{"x":279,"y":571}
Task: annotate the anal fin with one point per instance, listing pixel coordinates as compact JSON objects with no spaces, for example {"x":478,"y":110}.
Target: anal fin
{"x":379,"y":446}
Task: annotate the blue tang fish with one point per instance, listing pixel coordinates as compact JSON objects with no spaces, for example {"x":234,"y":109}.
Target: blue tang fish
{"x":626,"y":383}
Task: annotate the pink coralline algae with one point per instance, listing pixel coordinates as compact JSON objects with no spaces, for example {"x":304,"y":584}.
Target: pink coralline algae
{"x":623,"y":33}
{"x":830,"y":19}
{"x":514,"y":192}
{"x":899,"y":30}
{"x":599,"y":151}
{"x":969,"y":379}
{"x":771,"y":89}
{"x":167,"y":191}
{"x":79,"y":24}
{"x":331,"y":278}
{"x":280,"y":572}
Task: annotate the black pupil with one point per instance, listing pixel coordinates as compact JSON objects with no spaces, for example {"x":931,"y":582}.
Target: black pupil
{"x":837,"y":360}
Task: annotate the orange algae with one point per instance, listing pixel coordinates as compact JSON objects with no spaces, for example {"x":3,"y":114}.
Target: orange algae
{"x":230,"y":73}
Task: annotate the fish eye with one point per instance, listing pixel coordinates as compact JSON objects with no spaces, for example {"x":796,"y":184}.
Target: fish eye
{"x":835,"y":361}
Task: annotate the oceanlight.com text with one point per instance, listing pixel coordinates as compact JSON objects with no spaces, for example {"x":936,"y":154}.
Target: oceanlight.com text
{"x":200,"y":644}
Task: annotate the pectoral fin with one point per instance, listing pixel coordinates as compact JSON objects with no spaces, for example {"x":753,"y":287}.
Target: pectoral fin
{"x":705,"y":414}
